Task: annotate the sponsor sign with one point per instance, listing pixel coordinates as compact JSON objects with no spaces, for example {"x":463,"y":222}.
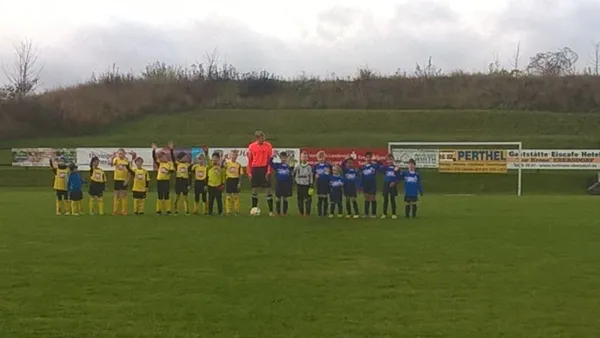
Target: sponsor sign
{"x":106,"y":155}
{"x":40,"y":157}
{"x":425,"y":158}
{"x":555,"y":159}
{"x":336,"y":155}
{"x":293,"y":154}
{"x":482,"y":161}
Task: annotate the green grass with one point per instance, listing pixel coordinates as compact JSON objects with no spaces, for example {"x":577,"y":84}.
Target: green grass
{"x":493,"y":266}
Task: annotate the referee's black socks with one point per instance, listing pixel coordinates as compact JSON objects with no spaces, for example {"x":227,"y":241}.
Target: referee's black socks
{"x":254,"y":200}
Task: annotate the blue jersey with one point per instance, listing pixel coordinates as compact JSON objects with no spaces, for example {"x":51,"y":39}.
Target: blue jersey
{"x":351,"y":177}
{"x":412,"y":183}
{"x":283,"y":171}
{"x":336,"y":182}
{"x":368,"y":173}
{"x":323,"y":170}
{"x":390,"y":174}
{"x":75,"y":182}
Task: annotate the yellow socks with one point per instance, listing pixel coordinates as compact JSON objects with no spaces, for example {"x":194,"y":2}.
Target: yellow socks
{"x":91,"y":206}
{"x":65,"y":206}
{"x":186,"y":207}
{"x":205,"y":208}
{"x":196,"y":207}
{"x":159,"y":206}
{"x":136,"y":205}
{"x":124,"y":205}
{"x":116,"y":205}
{"x":100,"y":202}
{"x":228,"y":204}
{"x":142,"y":206}
{"x":58,"y":207}
{"x":74,"y":208}
{"x":236,"y":203}
{"x":168,"y":205}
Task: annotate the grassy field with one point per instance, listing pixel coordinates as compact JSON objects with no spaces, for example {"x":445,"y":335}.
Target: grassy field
{"x":468,"y":267}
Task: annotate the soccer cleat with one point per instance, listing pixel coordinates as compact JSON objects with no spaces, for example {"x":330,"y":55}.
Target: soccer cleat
{"x":355,"y":216}
{"x":141,"y":214}
{"x":75,"y":214}
{"x":67,"y":213}
{"x":124,"y":213}
{"x":271,"y":214}
{"x":330,"y":215}
{"x":394,"y":217}
{"x":340,"y":216}
{"x":92,"y":214}
{"x":176,"y":213}
{"x":373,"y":216}
{"x":383,"y":216}
{"x":158,"y":213}
{"x":348,"y":216}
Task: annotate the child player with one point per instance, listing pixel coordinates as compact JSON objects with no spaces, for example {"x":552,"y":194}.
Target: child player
{"x":390,"y":185}
{"x":336,"y":182}
{"x":351,"y":186}
{"x":121,"y":173}
{"x":61,"y":175}
{"x":183,"y":179}
{"x":200,"y":170}
{"x":75,"y":186}
{"x":233,"y":174}
{"x":412,"y":189}
{"x":303,"y":176}
{"x":322,"y":172}
{"x":163,"y":179}
{"x":368,"y":174}
{"x":215,"y":181}
{"x":97,"y":187}
{"x":141,"y":182}
{"x":283,"y":183}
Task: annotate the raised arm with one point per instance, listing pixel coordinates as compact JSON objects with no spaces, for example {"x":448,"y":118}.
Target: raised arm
{"x":52,"y":166}
{"x":154,"y":153}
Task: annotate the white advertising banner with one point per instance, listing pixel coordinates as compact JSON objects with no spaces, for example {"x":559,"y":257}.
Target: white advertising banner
{"x":425,"y":158}
{"x":106,"y":155}
{"x":555,"y":159}
{"x":243,"y":153}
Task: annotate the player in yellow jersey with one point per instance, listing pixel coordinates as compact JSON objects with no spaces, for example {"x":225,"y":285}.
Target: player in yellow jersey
{"x":97,"y":187}
{"x":200,"y":171}
{"x":141,"y":182}
{"x":163,"y":179}
{"x":61,"y":175}
{"x":121,"y":175}
{"x":183,"y":179}
{"x":215,"y":181}
{"x":233,"y":174}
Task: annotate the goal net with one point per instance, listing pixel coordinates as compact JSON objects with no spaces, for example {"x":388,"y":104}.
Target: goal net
{"x":464,"y":167}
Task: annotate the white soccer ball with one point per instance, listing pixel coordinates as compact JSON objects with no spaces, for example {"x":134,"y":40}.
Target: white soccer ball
{"x":255,"y":212}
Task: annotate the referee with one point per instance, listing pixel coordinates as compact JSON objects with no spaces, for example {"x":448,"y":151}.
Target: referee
{"x":259,"y":170}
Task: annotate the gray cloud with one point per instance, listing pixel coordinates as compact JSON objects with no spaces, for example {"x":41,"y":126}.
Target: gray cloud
{"x":349,"y":38}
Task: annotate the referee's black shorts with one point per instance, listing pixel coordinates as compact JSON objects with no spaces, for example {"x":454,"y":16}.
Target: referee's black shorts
{"x":259,"y":178}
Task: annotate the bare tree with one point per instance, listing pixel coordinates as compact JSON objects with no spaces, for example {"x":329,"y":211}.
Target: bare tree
{"x":561,"y":62}
{"x":430,"y":70}
{"x":594,"y":64}
{"x":515,"y":62}
{"x":24,"y":74}
{"x":495,"y":67}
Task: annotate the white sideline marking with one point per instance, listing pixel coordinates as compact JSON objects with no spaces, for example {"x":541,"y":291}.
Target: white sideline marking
{"x":460,"y":195}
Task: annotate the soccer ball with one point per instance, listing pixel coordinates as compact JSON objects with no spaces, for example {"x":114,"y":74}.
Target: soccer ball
{"x":255,"y":212}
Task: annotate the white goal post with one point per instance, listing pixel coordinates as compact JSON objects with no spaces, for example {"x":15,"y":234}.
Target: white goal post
{"x":427,"y":152}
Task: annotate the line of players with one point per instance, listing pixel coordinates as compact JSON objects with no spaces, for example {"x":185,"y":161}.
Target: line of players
{"x":333,"y":184}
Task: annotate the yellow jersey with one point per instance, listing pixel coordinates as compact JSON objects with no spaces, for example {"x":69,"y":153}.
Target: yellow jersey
{"x":61,"y":176}
{"x":121,"y":169}
{"x":97,"y":175}
{"x":183,"y":170}
{"x":216,"y":176}
{"x":233,"y":169}
{"x":141,"y":179}
{"x":200,"y":172}
{"x":164,"y":171}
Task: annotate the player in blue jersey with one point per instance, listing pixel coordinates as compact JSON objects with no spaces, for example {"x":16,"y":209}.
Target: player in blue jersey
{"x":390,"y":185}
{"x":283,"y":183}
{"x":336,"y":182}
{"x":322,"y":172}
{"x":351,"y":185}
{"x":368,"y":173}
{"x":412,"y":189}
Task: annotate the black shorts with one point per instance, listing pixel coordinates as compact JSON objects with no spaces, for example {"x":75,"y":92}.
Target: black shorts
{"x":139,"y":195}
{"x":350,"y":191}
{"x":323,"y":187}
{"x":163,"y":188}
{"x":411,"y":199}
{"x":335,"y":196}
{"x":369,"y":188}
{"x":62,"y":195}
{"x":390,"y":191}
{"x":259,"y":178}
{"x":283,"y":188}
{"x":96,"y":189}
{"x":181,"y":186}
{"x":76,"y":196}
{"x":231,"y":185}
{"x":120,"y":186}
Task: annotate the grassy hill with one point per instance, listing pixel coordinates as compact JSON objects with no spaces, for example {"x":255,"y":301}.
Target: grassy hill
{"x":354,"y":128}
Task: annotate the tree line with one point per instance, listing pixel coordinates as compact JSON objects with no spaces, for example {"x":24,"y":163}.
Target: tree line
{"x":549,"y":81}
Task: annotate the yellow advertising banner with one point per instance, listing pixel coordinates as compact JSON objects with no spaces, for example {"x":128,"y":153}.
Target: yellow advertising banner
{"x":473,"y":161}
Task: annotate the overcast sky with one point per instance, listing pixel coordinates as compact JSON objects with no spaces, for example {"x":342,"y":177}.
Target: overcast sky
{"x":320,"y":37}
